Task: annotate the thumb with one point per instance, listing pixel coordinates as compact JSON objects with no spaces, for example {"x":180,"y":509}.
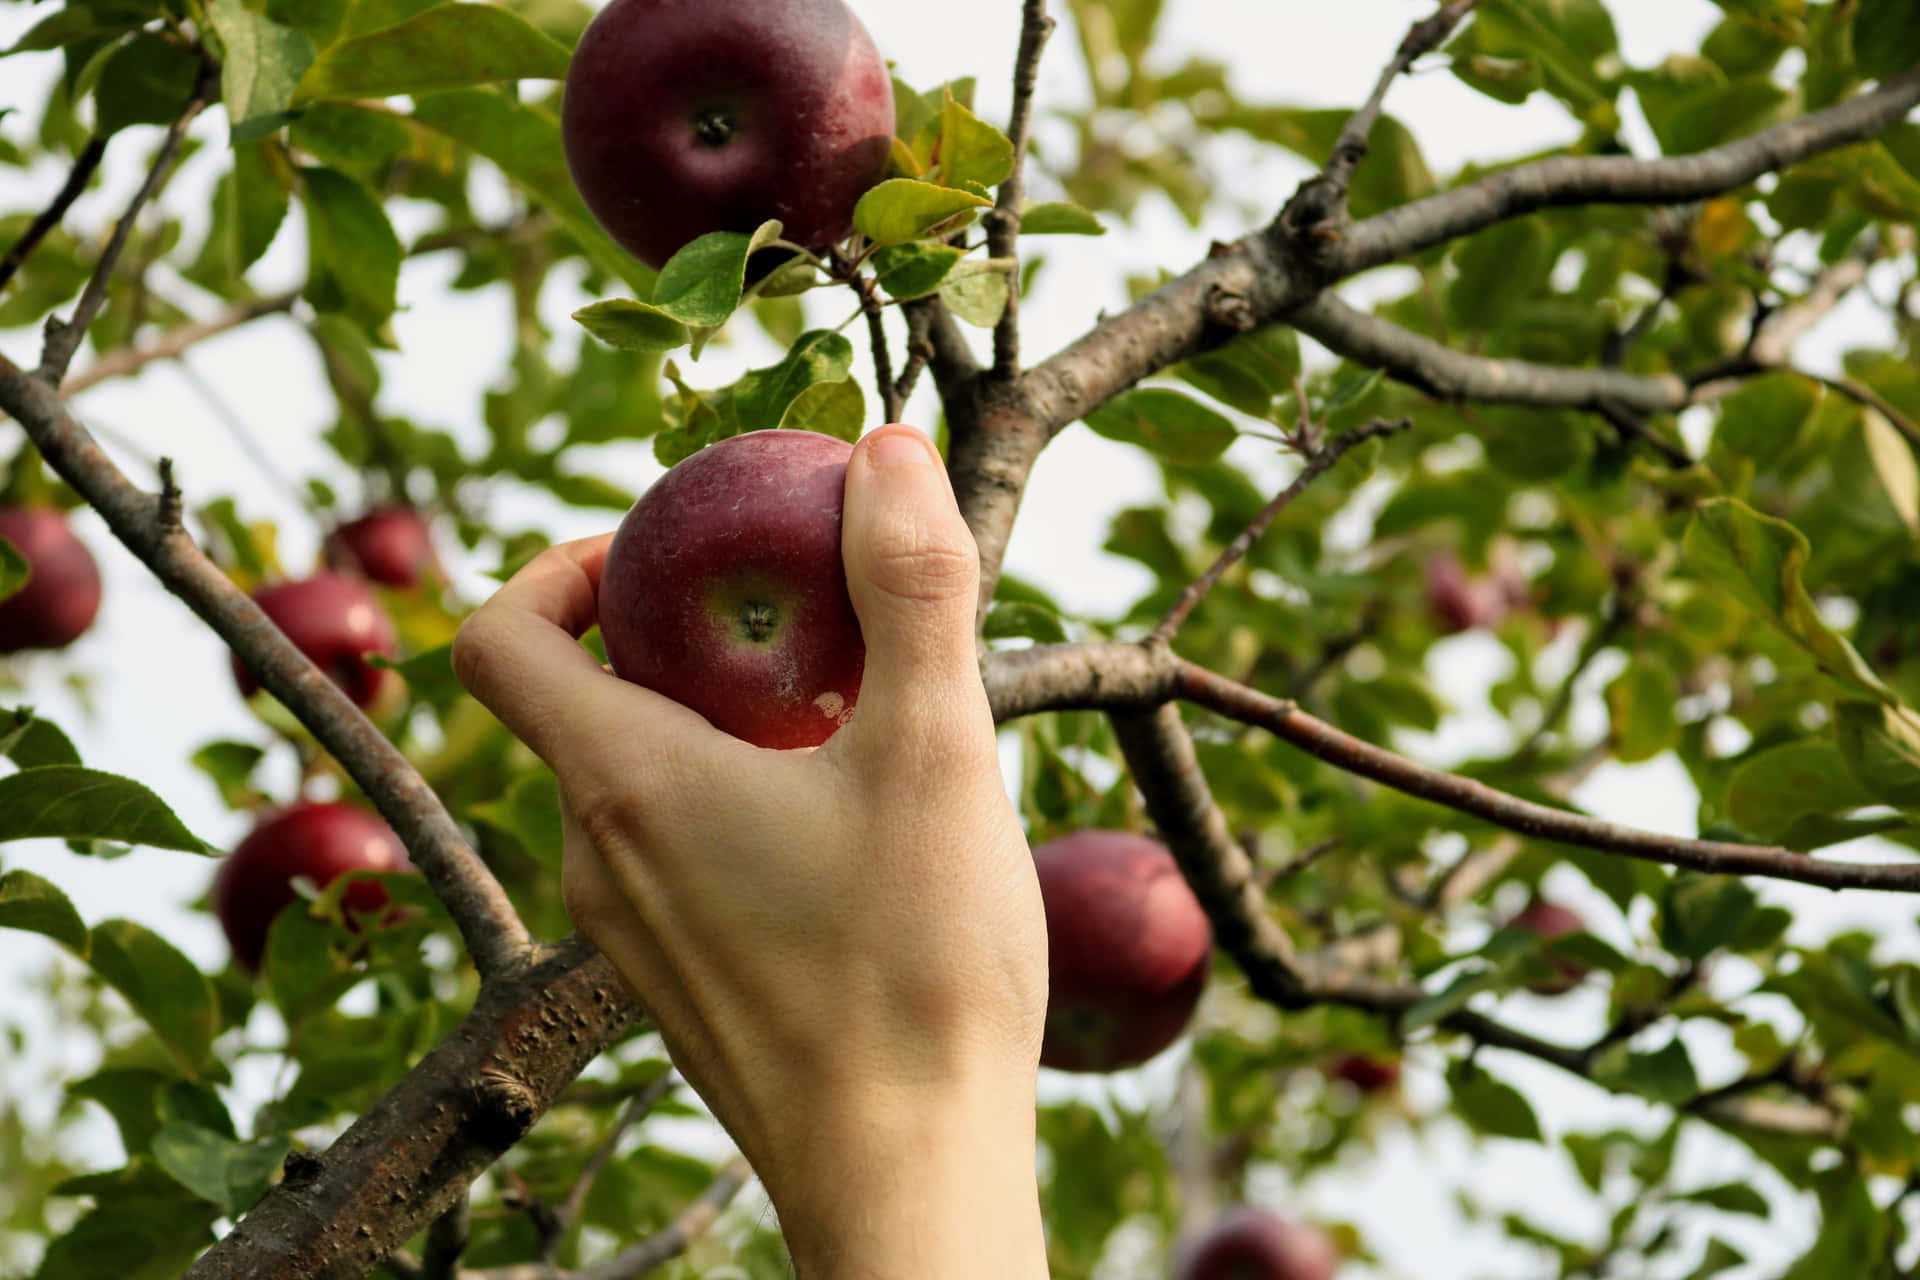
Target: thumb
{"x":913,"y":572}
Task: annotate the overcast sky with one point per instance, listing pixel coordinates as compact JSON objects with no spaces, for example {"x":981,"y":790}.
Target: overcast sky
{"x":159,"y":684}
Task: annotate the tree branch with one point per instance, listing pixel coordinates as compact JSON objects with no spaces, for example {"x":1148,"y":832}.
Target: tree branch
{"x":1003,"y":224}
{"x":1318,"y":464}
{"x":447,"y":1240}
{"x":493,"y":933}
{"x":175,"y":342}
{"x":48,"y":218}
{"x":636,"y":1109}
{"x":1569,"y":180}
{"x":63,"y":337}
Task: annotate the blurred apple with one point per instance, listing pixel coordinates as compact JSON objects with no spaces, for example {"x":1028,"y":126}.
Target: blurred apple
{"x":62,"y":592}
{"x":337,"y":623}
{"x":390,"y":545}
{"x":1250,"y":1244}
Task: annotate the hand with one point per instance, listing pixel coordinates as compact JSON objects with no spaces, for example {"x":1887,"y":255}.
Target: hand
{"x":843,"y":947}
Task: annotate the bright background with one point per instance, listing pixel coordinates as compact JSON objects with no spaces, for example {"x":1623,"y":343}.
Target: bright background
{"x":157,"y":683}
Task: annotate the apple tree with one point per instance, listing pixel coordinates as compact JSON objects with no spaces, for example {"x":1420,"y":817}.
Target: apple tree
{"x":1558,"y":412}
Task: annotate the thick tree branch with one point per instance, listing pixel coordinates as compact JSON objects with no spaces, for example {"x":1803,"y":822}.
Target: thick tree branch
{"x":493,"y":933}
{"x":1003,"y":224}
{"x":48,"y":218}
{"x":1569,"y":180}
{"x":1318,"y":464}
{"x":1134,"y":677}
{"x":63,"y":336}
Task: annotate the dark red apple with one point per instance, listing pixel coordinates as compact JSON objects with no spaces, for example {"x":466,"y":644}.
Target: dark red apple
{"x":1461,"y":602}
{"x":336,"y":622}
{"x":62,"y":591}
{"x":1366,"y":1072}
{"x":724,"y":589}
{"x":1128,"y":950}
{"x":389,"y":545}
{"x":683,"y":118}
{"x":318,"y":841}
{"x":1250,"y":1244}
{"x":1549,"y":920}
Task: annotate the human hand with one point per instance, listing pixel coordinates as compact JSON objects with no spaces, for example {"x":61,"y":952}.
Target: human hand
{"x":843,"y":947}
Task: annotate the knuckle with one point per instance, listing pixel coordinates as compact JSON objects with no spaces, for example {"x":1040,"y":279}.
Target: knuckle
{"x":917,"y":561}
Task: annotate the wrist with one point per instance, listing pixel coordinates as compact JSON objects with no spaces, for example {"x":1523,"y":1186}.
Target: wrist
{"x":931,"y":1183}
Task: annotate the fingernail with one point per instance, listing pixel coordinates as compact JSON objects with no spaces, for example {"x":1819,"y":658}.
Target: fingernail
{"x":900,"y":449}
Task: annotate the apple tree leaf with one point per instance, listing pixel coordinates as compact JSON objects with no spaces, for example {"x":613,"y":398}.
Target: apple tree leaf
{"x":529,"y":815}
{"x":263,"y":62}
{"x":30,"y":741}
{"x":633,"y":326}
{"x":224,"y":1171}
{"x":1893,"y":461}
{"x":525,"y":143}
{"x":903,"y":209}
{"x":353,"y":253}
{"x":1774,"y":790}
{"x":162,"y":986}
{"x":978,"y":297}
{"x":1881,"y":746}
{"x":1165,"y":423}
{"x":148,"y":80}
{"x":762,"y":398}
{"x":1666,"y":1075}
{"x":36,"y":905}
{"x":969,"y":150}
{"x":1059,"y":218}
{"x":451,"y":46}
{"x":837,"y":409}
{"x":66,"y":801}
{"x":1021,"y":619}
{"x":14,"y":569}
{"x":915,"y":270}
{"x":700,"y":285}
{"x":1491,"y":1106}
{"x":1250,"y":372}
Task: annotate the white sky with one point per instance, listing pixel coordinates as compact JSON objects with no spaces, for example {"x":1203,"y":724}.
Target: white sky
{"x":160,"y":685}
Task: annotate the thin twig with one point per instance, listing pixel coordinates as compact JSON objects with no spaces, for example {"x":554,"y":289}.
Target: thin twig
{"x":48,"y":218}
{"x":568,"y":1212}
{"x":1003,"y":224}
{"x":882,"y":359}
{"x":447,"y":1242}
{"x":125,"y":360}
{"x":1317,"y":464}
{"x":919,"y":352}
{"x":63,"y":336}
{"x":1596,"y":641}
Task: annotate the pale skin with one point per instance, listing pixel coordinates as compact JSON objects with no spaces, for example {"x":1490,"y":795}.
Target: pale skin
{"x":843,"y":947}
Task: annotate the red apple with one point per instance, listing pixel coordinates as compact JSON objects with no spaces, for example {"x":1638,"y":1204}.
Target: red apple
{"x":336,"y":622}
{"x":1128,"y":950}
{"x":1460,"y":602}
{"x":62,"y":591}
{"x":724,"y":589}
{"x":1249,"y":1244}
{"x":680,"y":119}
{"x":389,"y":545}
{"x":1549,"y":920}
{"x":1366,"y":1072}
{"x":318,"y":841}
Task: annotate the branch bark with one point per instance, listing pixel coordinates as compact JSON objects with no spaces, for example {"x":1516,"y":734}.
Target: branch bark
{"x":48,"y":218}
{"x":1003,"y":225}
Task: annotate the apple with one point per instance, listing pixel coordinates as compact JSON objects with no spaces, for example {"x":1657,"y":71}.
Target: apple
{"x":1549,"y":920}
{"x":724,"y":589}
{"x":1128,"y":950}
{"x":1368,"y":1073}
{"x":318,"y":841}
{"x":62,"y":592}
{"x":336,"y":622}
{"x":681,"y":119}
{"x":1246,"y":1243}
{"x":1460,"y":602}
{"x":390,"y":545}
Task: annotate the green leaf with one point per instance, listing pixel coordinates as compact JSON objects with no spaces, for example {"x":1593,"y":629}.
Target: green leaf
{"x":69,"y":802}
{"x":525,"y":143}
{"x":761,"y":400}
{"x":148,"y":80}
{"x":837,"y":409}
{"x":354,"y":255}
{"x":529,"y":814}
{"x":1059,"y":219}
{"x":1022,"y":620}
{"x":1881,"y":746}
{"x":36,"y":905}
{"x":230,"y":766}
{"x":633,"y":326}
{"x":1770,"y":792}
{"x":14,"y":569}
{"x":1665,"y":1075}
{"x":1498,"y":270}
{"x":970,"y":150}
{"x":1165,"y":423}
{"x":262,"y":64}
{"x":1886,"y":37}
{"x":223,"y":1171}
{"x":1730,"y":1197}
{"x":1640,"y":704}
{"x":305,"y":968}
{"x":1699,"y":914}
{"x":258,"y":195}
{"x":903,"y":209}
{"x":451,"y":46}
{"x":1757,"y":560}
{"x":136,"y":1230}
{"x":1893,"y":462}
{"x":1250,"y":372}
{"x":429,"y":675}
{"x":31,"y":742}
{"x":914,"y":270}
{"x":700,"y":285}
{"x":163,"y":987}
{"x":1491,"y":1106}
{"x":1765,"y":417}
{"x":979,"y":298}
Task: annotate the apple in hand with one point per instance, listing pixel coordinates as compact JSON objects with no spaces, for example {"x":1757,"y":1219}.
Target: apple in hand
{"x":1549,"y":920}
{"x":1128,"y":950}
{"x":1249,"y":1244}
{"x":62,"y":592}
{"x":336,"y":622}
{"x":318,"y":841}
{"x":724,"y":589}
{"x":390,"y":545}
{"x":681,"y":119}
